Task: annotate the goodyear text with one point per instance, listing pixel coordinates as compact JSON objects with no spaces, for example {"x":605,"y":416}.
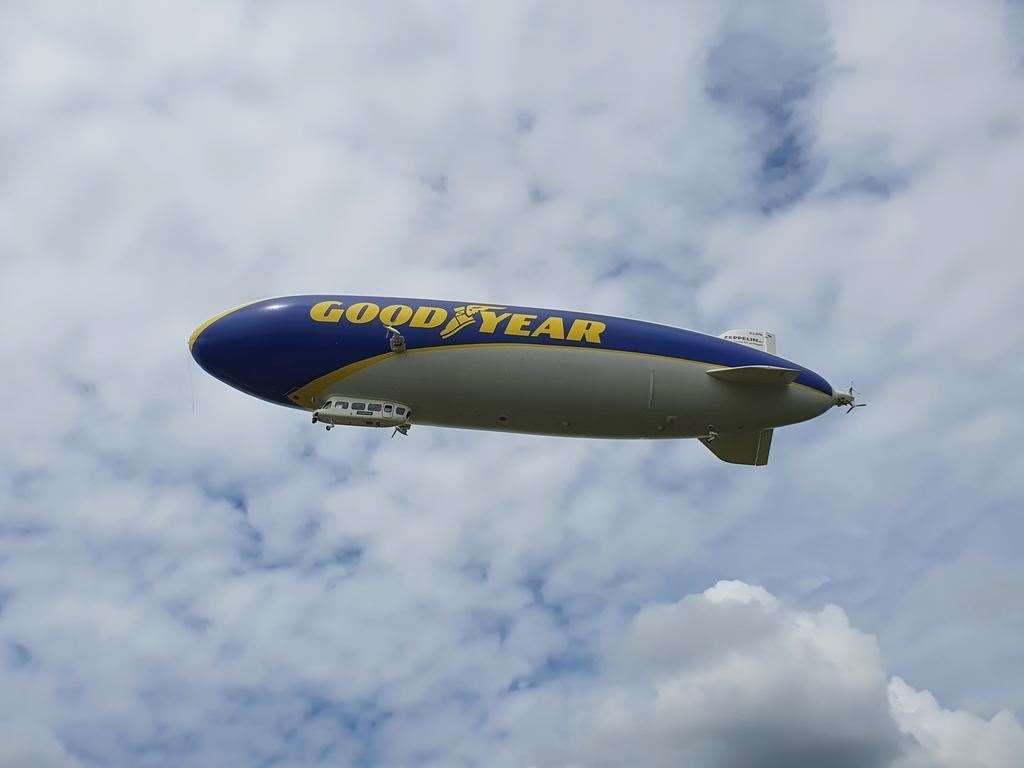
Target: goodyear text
{"x":487,"y":318}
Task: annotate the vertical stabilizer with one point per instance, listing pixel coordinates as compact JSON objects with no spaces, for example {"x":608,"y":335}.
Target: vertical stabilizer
{"x":763,"y":340}
{"x":749,"y":448}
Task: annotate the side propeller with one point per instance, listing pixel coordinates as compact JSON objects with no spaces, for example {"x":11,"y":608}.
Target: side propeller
{"x":396,"y":341}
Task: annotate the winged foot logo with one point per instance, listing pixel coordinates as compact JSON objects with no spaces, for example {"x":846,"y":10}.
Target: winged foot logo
{"x":464,"y":317}
{"x":489,"y":318}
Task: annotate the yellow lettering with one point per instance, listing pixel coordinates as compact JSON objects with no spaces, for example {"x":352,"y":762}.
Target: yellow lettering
{"x":518,"y":325}
{"x":428,"y":317}
{"x":395,"y":314}
{"x":489,"y":320}
{"x":586,"y":330}
{"x":553,"y":327}
{"x":326,"y":312}
{"x":362,"y":312}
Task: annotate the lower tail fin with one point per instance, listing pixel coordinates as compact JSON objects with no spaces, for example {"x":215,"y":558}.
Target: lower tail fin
{"x":741,"y":447}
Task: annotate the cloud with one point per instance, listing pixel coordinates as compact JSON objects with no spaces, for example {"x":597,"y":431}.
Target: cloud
{"x":973,"y":588}
{"x":728,"y":678}
{"x":955,"y":738}
{"x":28,"y":743}
{"x":191,"y":576}
{"x":732,"y":677}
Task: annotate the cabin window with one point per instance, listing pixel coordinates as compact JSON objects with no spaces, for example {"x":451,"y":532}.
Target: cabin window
{"x":359,"y":406}
{"x":400,"y":411}
{"x":388,"y":408}
{"x":374,"y":407}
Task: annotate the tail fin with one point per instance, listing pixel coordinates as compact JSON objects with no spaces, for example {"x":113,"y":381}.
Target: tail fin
{"x":742,"y":447}
{"x":763,"y":340}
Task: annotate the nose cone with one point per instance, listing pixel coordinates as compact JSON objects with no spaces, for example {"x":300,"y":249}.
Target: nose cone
{"x":215,"y":345}
{"x":249,"y":347}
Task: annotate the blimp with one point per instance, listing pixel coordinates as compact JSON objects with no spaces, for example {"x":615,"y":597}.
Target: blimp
{"x":392,"y":363}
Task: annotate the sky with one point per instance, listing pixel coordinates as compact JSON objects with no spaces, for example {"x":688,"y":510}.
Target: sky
{"x":189,"y":576}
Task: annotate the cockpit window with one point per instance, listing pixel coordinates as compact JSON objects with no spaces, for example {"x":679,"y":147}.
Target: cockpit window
{"x":400,"y":411}
{"x":341,"y":404}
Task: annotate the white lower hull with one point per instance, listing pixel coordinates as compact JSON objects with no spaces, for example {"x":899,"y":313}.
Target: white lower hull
{"x":581,"y":392}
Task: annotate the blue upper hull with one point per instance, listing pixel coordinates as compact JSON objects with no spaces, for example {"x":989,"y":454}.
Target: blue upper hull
{"x":274,"y":347}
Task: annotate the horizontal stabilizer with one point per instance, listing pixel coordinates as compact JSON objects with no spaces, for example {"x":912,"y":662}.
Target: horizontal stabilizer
{"x":756,"y":374}
{"x":742,"y":447}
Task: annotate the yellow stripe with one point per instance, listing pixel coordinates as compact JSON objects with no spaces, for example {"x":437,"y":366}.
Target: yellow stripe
{"x":198,"y":331}
{"x":306,"y":395}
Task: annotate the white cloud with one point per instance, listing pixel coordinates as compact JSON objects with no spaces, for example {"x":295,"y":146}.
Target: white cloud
{"x":730,"y":677}
{"x":233,"y":587}
{"x":26,"y":742}
{"x":956,"y":739}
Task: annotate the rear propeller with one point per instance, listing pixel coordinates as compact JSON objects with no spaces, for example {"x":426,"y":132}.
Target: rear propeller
{"x":848,"y":399}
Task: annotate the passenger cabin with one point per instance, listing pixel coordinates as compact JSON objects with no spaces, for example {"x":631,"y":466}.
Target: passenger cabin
{"x":361,"y":412}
